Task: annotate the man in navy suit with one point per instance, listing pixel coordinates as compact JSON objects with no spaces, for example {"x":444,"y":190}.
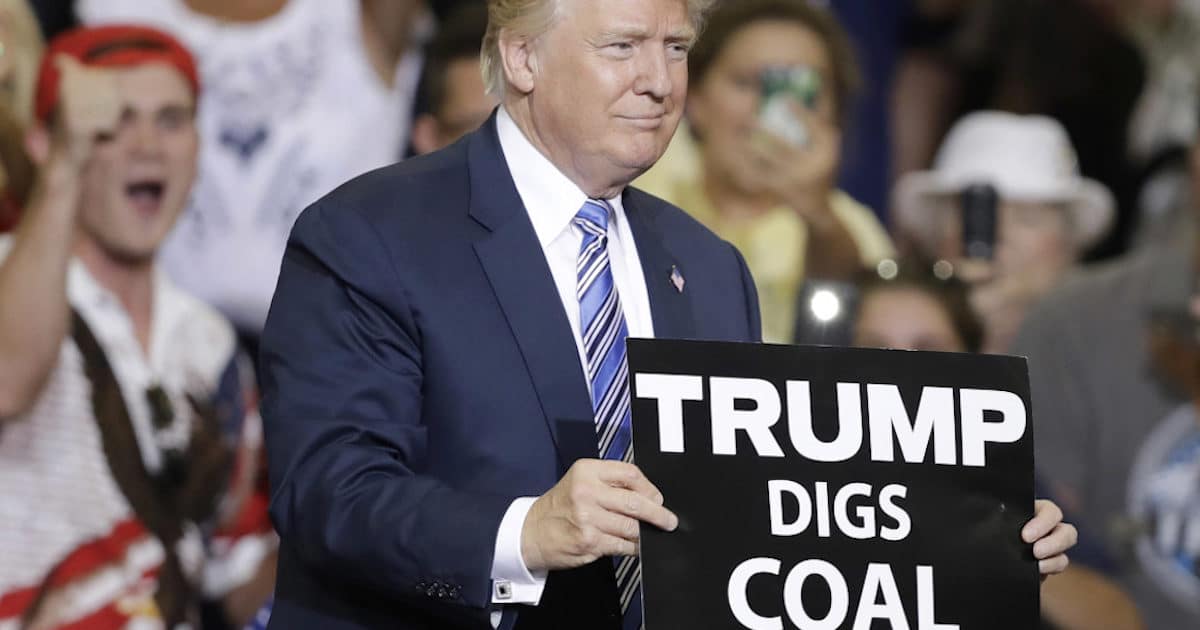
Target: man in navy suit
{"x":446,"y":403}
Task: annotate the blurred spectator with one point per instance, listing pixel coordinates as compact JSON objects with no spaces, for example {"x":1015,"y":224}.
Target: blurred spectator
{"x":20,"y":50}
{"x":1168,"y":34}
{"x":761,"y":171}
{"x":924,"y":94}
{"x":1112,"y":358}
{"x":121,"y":412}
{"x":875,"y":30}
{"x":451,"y":88}
{"x":884,"y":35}
{"x":1071,"y":60}
{"x":908,"y":307}
{"x":1046,"y":216}
{"x":1164,"y":123}
{"x":300,"y":96}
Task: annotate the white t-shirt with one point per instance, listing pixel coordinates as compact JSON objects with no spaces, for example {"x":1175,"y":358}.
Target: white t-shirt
{"x":291,"y":107}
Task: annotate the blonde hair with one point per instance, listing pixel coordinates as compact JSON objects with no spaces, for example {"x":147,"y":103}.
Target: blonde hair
{"x":23,"y":46}
{"x":532,"y":19}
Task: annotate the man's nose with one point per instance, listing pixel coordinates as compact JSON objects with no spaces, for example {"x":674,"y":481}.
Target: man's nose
{"x":654,"y":78}
{"x":145,"y":138}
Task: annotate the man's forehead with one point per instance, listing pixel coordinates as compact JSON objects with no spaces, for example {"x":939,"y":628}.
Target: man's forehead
{"x":154,"y":82}
{"x":649,"y":16}
{"x":150,"y":71}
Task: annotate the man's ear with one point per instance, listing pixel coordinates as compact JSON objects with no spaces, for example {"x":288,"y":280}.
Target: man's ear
{"x":519,"y":62}
{"x":37,"y":143}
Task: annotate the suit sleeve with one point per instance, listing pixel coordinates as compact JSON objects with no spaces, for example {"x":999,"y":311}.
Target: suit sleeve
{"x":345,"y":435}
{"x":750,"y":294}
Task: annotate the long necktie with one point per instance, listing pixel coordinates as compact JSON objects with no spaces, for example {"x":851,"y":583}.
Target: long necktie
{"x":604,"y":331}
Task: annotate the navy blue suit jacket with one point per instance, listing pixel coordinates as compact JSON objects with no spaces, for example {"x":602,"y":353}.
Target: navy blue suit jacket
{"x":419,"y":373}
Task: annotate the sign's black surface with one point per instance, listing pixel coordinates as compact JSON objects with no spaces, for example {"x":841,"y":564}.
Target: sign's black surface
{"x":835,"y":488}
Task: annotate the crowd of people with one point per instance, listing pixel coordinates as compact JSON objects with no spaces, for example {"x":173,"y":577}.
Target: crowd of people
{"x":997,"y":176}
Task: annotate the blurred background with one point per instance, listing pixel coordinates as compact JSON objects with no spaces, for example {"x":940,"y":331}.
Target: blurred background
{"x":1002,"y":176}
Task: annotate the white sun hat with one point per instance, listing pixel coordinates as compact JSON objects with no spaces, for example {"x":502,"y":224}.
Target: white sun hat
{"x":1026,"y":158}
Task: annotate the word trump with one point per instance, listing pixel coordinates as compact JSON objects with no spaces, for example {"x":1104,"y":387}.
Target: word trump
{"x":888,"y":422}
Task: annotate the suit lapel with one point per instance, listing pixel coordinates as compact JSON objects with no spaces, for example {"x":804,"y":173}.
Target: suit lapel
{"x":670,"y":306}
{"x":516,"y":267}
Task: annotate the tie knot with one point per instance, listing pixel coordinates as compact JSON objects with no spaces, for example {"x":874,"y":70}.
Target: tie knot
{"x":593,"y":217}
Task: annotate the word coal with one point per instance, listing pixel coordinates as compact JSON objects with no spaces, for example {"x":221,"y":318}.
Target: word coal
{"x":878,"y":583}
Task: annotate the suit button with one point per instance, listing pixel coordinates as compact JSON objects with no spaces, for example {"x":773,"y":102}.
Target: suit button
{"x":442,"y":593}
{"x":455,"y":591}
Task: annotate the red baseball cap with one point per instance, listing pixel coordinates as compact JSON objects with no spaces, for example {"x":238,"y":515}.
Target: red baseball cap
{"x":110,"y":46}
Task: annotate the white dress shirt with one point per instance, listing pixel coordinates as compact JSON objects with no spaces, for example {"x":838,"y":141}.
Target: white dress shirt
{"x":552,"y":201}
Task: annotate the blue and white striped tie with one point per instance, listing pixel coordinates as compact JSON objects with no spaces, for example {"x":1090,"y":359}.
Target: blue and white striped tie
{"x":604,"y":331}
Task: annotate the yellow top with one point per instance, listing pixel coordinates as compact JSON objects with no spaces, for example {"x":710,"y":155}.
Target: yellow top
{"x":772,"y":243}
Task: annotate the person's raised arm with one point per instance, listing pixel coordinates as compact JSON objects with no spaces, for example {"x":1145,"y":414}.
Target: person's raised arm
{"x":34,"y":312}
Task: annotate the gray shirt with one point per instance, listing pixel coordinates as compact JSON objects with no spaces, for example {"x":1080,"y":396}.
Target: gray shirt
{"x":1111,"y":440}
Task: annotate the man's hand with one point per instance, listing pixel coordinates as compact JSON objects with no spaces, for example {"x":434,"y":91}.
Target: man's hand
{"x":593,"y":511}
{"x":1003,"y":297}
{"x":799,"y":177}
{"x":1050,"y":537}
{"x":803,"y":179}
{"x":89,"y":108}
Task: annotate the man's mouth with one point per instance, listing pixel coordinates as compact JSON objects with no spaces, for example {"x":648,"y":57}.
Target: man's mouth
{"x":646,"y":122}
{"x":145,"y":195}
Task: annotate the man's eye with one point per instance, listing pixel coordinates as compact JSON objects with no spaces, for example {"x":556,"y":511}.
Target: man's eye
{"x":622,"y":46}
{"x":172,"y":120}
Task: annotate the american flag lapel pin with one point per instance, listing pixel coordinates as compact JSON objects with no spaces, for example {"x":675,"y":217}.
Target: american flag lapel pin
{"x":677,"y":279}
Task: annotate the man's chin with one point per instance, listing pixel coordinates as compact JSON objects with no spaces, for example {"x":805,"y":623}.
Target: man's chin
{"x":133,"y":256}
{"x":133,"y":252}
{"x":642,"y":162}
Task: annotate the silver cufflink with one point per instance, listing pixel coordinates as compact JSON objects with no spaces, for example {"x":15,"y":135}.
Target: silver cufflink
{"x":503,"y":589}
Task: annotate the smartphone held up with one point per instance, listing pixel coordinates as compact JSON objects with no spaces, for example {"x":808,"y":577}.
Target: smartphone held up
{"x":978,"y":203}
{"x":784,"y":90}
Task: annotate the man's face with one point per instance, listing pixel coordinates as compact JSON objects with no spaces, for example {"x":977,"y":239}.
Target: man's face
{"x":1031,"y":237}
{"x":905,"y":318}
{"x":465,"y":106}
{"x":725,"y":107}
{"x":137,"y":182}
{"x":610,"y":82}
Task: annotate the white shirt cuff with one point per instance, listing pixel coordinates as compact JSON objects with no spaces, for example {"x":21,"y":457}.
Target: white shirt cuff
{"x":512,"y":581}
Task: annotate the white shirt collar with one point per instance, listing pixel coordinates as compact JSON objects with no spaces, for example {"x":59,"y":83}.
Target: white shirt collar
{"x":550,"y":197}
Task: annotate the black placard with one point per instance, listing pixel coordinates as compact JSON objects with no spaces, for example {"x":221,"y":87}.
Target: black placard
{"x":965,"y":489}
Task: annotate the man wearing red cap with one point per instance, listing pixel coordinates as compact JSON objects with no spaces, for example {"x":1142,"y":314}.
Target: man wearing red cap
{"x":120,"y":398}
